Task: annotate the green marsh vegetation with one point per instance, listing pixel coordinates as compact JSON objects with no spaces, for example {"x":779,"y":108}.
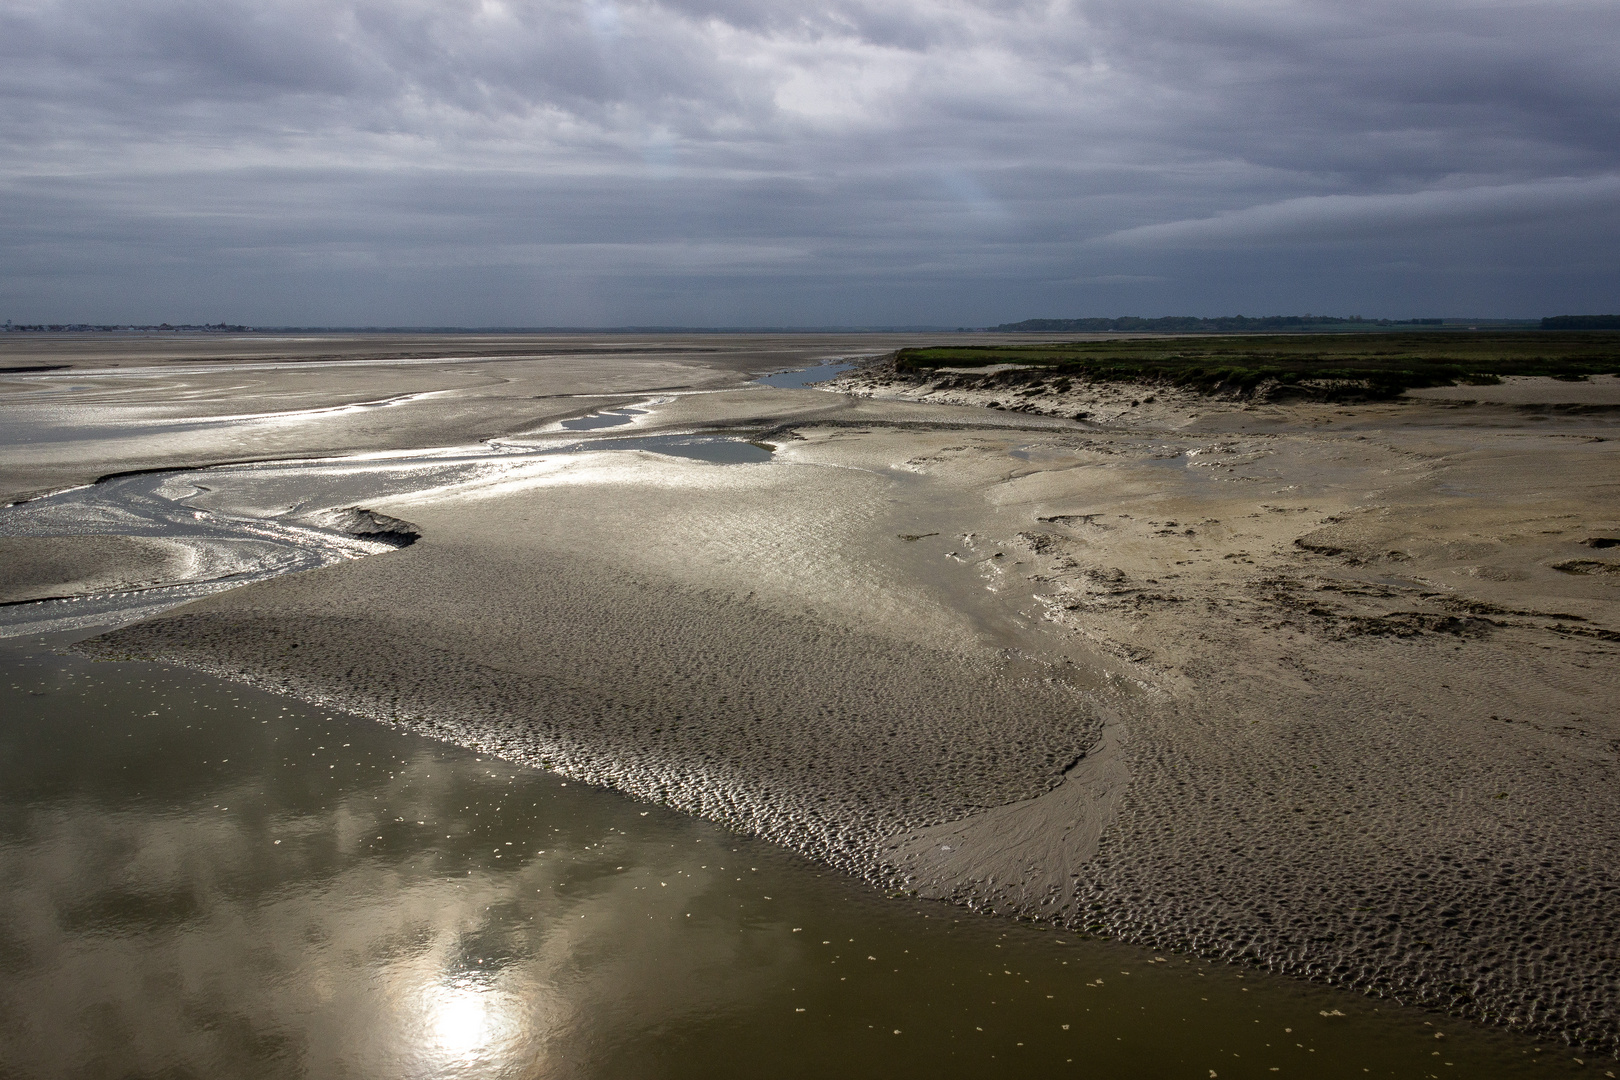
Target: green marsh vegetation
{"x":1358,"y":365}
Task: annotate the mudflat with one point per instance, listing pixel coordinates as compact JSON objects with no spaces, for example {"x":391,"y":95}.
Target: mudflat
{"x":75,"y":407}
{"x":1329,"y":688}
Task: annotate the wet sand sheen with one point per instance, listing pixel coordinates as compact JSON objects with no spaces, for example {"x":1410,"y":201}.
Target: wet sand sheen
{"x":207,"y":879}
{"x":130,"y":546}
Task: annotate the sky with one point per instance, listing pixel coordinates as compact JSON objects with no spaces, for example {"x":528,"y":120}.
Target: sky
{"x":805,"y":163}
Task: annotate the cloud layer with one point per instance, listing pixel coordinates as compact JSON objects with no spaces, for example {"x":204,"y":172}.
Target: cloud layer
{"x":760,"y":162}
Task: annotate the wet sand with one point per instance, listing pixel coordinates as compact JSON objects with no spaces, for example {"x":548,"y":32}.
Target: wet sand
{"x":74,"y":407}
{"x":40,"y":568}
{"x":1328,"y":689}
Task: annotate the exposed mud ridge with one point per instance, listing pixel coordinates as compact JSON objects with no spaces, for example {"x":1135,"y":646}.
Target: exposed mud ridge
{"x":1587,"y":566}
{"x":820,"y":738}
{"x":367,"y":525}
{"x":1038,"y":392}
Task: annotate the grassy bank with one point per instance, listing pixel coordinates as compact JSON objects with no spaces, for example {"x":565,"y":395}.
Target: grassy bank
{"x":1377,"y":365}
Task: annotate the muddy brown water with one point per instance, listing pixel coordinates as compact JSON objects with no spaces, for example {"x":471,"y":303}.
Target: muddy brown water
{"x":201,"y":879}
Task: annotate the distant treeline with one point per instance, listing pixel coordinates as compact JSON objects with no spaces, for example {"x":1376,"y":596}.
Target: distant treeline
{"x":1581,"y":322}
{"x":88,"y":328}
{"x":1184,"y":324}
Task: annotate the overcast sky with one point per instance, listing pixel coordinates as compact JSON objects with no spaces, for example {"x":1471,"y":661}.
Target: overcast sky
{"x":767,"y":162}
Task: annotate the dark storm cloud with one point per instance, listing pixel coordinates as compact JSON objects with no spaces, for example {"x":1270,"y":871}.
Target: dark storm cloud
{"x":709,"y":161}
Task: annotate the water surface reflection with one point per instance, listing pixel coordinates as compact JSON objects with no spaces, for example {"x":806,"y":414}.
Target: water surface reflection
{"x":804,"y":377}
{"x":205,"y":880}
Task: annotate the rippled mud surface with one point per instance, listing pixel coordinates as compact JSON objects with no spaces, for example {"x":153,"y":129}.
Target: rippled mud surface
{"x":207,"y":880}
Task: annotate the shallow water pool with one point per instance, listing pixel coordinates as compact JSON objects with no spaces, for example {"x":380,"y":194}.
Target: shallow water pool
{"x":803,"y":377}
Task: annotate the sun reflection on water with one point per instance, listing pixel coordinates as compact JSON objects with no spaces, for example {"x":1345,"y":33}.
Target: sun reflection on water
{"x":460,"y":1022}
{"x":469,"y":1021}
